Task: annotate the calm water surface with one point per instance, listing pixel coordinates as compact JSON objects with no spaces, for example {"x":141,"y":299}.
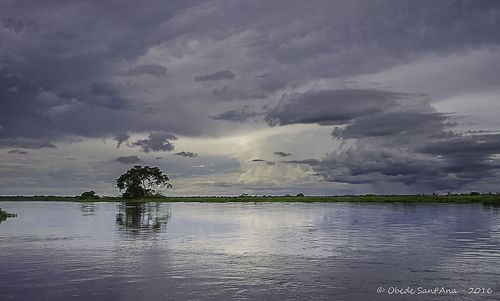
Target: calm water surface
{"x":272,"y":251}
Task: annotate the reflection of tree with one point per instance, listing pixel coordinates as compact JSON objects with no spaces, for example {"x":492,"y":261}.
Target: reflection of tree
{"x":87,"y":208}
{"x":141,"y":218}
{"x":492,"y":207}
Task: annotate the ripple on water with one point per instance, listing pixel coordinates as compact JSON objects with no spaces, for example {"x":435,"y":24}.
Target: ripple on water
{"x":245,"y":251}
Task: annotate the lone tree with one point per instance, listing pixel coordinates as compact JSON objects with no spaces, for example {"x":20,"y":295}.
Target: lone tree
{"x":138,"y":182}
{"x":89,"y":195}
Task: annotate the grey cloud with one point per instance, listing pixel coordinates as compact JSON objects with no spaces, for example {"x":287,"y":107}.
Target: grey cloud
{"x":270,"y":163}
{"x":151,"y":69}
{"x":331,"y":107}
{"x":156,"y":142}
{"x":425,"y":161}
{"x":218,"y":75}
{"x":393,"y":32}
{"x":312,"y":162}
{"x":465,"y":146}
{"x":129,"y":160}
{"x":237,"y":116}
{"x":407,"y":142}
{"x":103,"y":88}
{"x":404,"y":123}
{"x":107,"y":95}
{"x":272,"y":84}
{"x":220,"y":91}
{"x":471,"y":157}
{"x":186,"y":154}
{"x":282,"y":154}
{"x":382,"y":167}
{"x":17,"y":151}
{"x":120,"y":138}
{"x":26,"y":143}
{"x":75,"y":57}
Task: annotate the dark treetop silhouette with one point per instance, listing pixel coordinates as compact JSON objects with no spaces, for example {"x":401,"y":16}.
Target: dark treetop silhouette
{"x":139,"y":182}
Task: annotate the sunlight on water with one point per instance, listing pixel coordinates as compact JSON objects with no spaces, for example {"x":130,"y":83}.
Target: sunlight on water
{"x":270,"y":251}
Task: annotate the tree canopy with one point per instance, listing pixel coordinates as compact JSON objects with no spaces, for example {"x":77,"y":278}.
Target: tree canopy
{"x":88,"y":195}
{"x":140,"y":181}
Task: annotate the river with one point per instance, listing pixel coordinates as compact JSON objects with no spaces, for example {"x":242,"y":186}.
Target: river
{"x":247,"y":251}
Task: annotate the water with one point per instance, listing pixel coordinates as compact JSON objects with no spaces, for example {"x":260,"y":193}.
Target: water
{"x":271,"y":251}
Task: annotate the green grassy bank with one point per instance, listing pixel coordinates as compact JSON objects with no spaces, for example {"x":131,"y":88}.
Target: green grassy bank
{"x":451,"y":198}
{"x":4,"y":215}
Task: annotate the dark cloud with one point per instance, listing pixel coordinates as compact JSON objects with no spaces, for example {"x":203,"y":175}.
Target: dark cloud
{"x":282,"y":154}
{"x":120,"y":138}
{"x":26,"y":143}
{"x":331,"y":107}
{"x":218,"y":75}
{"x":393,"y":138}
{"x":470,"y":157}
{"x":151,"y":69}
{"x":79,"y":52}
{"x":76,"y":69}
{"x":396,"y":124}
{"x":186,"y":154}
{"x":464,"y":146}
{"x":17,"y":151}
{"x":156,"y":142}
{"x":421,"y":153}
{"x":312,"y":162}
{"x":107,"y":95}
{"x":73,"y":54}
{"x":237,"y":116}
{"x":272,"y":84}
{"x":129,"y":160}
{"x":270,"y":163}
{"x":220,"y":91}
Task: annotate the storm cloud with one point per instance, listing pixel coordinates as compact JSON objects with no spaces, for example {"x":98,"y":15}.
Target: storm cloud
{"x":151,"y":69}
{"x":218,"y":75}
{"x":411,"y":148}
{"x":79,"y":57}
{"x":405,"y":93}
{"x":26,"y":143}
{"x":237,"y":116}
{"x":129,"y":159}
{"x":120,"y":138}
{"x":331,"y":106}
{"x":17,"y":151}
{"x":156,"y":142}
{"x":186,"y":154}
{"x":282,"y":154}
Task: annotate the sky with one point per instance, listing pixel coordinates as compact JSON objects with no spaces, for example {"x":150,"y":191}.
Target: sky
{"x":258,"y":97}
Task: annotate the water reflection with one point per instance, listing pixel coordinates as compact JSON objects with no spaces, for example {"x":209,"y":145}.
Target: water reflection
{"x":142,"y":218}
{"x":298,"y":251}
{"x":87,"y":209}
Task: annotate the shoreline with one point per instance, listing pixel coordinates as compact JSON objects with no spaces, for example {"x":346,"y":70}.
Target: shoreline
{"x":453,"y":198}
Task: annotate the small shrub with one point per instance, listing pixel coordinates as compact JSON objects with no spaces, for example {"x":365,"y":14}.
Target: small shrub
{"x":4,"y":215}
